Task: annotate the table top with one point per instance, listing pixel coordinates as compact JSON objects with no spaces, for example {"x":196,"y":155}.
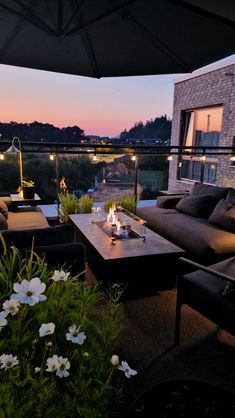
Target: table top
{"x":153,"y":244}
{"x":16,"y":198}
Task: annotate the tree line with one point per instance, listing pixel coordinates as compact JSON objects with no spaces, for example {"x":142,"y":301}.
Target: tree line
{"x":159,"y":128}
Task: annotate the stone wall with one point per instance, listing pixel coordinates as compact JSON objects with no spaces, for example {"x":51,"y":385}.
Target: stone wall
{"x":216,"y":87}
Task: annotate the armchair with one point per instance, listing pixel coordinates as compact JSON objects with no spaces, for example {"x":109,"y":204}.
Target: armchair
{"x":210,"y":291}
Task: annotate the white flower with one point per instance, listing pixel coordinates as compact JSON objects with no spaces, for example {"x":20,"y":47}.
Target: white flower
{"x":11,"y":307}
{"x":115,"y":360}
{"x":29,"y":292}
{"x":126,"y":369}
{"x":75,"y":336}
{"x":46,"y":329}
{"x":59,"y":365}
{"x":60,"y":275}
{"x":85,"y":354}
{"x":3,"y":320}
{"x":52,"y":363}
{"x":37,"y":369}
{"x":64,"y":365}
{"x":49,"y":344}
{"x":8,"y":361}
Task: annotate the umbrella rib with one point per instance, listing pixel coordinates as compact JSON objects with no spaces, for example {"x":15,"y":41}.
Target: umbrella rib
{"x":203,"y":12}
{"x":92,"y":22}
{"x":34,"y":19}
{"x":75,"y":9}
{"x":91,"y":55}
{"x":156,"y":42}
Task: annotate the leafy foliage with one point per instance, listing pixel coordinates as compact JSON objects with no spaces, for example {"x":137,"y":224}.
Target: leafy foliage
{"x":91,"y":387}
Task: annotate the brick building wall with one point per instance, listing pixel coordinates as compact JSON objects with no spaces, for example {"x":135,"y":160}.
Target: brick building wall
{"x":216,"y":87}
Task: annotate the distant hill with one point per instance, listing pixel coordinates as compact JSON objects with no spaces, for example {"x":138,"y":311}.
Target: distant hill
{"x":159,"y":128}
{"x":41,"y":132}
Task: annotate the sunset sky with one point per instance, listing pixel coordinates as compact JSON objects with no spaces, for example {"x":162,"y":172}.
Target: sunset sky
{"x":100,"y":107}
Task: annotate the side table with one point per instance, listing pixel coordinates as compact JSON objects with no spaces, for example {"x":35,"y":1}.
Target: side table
{"x":20,"y":201}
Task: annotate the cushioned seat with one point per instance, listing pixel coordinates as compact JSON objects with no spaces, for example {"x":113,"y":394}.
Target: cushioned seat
{"x":211,"y":292}
{"x":24,"y":218}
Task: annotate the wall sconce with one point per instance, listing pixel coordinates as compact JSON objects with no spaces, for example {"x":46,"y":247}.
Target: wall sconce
{"x":1,"y":156}
{"x":95,"y":157}
{"x":232,"y":158}
{"x":14,"y":150}
{"x":169,"y":158}
{"x":51,"y":157}
{"x":180,"y":164}
{"x":133,"y":157}
{"x":203,"y":157}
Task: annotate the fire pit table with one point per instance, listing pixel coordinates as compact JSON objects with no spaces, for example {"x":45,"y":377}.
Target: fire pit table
{"x":143,"y":261}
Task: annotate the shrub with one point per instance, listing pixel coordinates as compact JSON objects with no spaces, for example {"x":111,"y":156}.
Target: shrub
{"x":57,"y":342}
{"x":127,"y":201}
{"x":70,"y":204}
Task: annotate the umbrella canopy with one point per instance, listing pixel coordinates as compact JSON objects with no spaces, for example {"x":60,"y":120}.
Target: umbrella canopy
{"x":104,"y":38}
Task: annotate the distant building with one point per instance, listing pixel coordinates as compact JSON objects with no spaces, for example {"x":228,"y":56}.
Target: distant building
{"x":204,"y":115}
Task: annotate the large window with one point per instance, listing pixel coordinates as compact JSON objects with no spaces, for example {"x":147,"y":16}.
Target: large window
{"x":201,"y":128}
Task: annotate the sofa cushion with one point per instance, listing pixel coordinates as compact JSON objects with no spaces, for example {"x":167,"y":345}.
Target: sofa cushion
{"x":25,"y":218}
{"x":3,"y":222}
{"x":3,"y":209}
{"x":199,"y":206}
{"x":207,"y":189}
{"x":201,"y":240}
{"x":231,"y":196}
{"x":224,"y":215}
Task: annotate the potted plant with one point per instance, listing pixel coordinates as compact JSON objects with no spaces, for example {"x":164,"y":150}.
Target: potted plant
{"x":28,"y":189}
{"x":57,"y":344}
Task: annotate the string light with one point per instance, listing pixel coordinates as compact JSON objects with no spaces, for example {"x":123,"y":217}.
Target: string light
{"x":133,"y":157}
{"x":1,"y":156}
{"x":170,"y":158}
{"x":51,"y":157}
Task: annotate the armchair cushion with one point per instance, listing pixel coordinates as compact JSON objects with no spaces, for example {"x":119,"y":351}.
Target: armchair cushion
{"x":69,"y":256}
{"x":224,"y":215}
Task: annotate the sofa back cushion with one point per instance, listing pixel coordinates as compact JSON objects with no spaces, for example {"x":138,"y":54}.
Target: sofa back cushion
{"x":199,"y":206}
{"x":3,"y":222}
{"x":3,"y":209}
{"x":224,"y":215}
{"x":40,"y":236}
{"x":231,"y":196}
{"x":207,"y":189}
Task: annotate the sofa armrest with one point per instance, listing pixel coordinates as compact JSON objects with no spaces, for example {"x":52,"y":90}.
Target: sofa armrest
{"x":50,"y":235}
{"x":168,"y":202}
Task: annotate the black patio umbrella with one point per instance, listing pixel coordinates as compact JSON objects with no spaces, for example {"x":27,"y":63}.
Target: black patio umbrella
{"x":106,"y":38}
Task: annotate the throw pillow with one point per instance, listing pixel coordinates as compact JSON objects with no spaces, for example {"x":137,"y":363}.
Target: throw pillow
{"x":3,"y":209}
{"x":231,"y":196}
{"x":224,"y":215}
{"x":198,"y":206}
{"x":3,"y":222}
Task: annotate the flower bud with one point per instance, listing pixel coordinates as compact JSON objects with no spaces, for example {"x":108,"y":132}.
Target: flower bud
{"x":115,"y":360}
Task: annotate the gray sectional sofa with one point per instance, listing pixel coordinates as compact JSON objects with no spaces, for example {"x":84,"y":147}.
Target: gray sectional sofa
{"x":201,"y":222}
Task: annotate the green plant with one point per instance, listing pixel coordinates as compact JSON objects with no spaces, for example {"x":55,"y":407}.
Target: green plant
{"x":127,"y":201}
{"x":28,"y":183}
{"x":70,"y":204}
{"x":85,"y":204}
{"x":57,"y":342}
